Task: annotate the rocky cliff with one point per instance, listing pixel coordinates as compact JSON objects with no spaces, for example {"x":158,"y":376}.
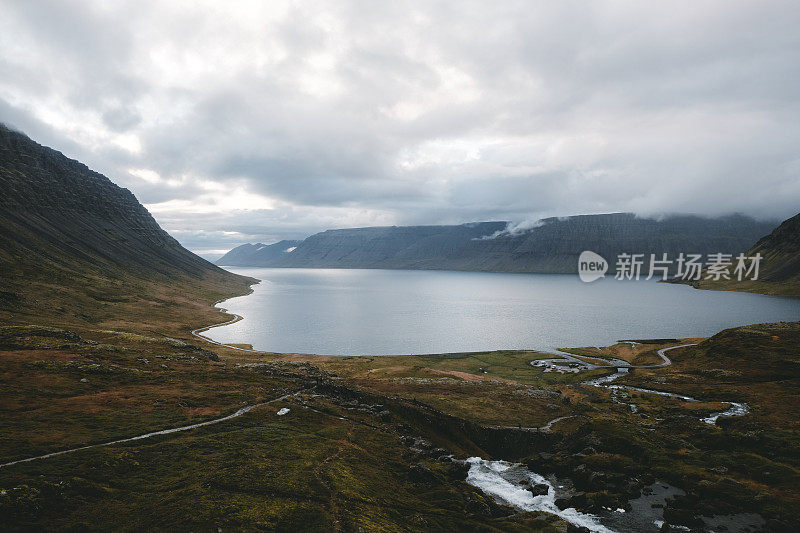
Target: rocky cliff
{"x":551,"y":247}
{"x":554,"y":246}
{"x":387,"y":247}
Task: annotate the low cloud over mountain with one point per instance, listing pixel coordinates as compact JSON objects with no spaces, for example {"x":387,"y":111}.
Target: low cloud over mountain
{"x":298,"y":117}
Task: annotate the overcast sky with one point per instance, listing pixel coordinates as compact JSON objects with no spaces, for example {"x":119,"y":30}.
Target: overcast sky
{"x":254,"y":121}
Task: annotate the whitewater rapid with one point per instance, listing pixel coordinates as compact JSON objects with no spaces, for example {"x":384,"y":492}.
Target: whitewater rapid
{"x":500,"y":479}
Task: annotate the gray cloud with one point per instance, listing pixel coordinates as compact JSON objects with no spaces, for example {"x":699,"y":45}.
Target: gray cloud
{"x":276,"y":120}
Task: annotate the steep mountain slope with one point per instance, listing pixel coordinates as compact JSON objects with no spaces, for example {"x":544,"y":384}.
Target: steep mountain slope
{"x":779,"y":272}
{"x":551,"y":247}
{"x":388,"y":247}
{"x":70,"y":240}
{"x":557,"y":243}
{"x":258,"y":254}
{"x":781,"y":252}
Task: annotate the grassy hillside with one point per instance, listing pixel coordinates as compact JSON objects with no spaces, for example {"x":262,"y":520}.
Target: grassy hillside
{"x":76,"y":249}
{"x":97,"y":303}
{"x":780,"y":267}
{"x":340,"y":460}
{"x":366,"y":440}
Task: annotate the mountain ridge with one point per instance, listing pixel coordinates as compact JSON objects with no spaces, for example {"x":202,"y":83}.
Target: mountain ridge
{"x":779,"y":269}
{"x":781,"y":252}
{"x":256,"y":254}
{"x":71,"y":241}
{"x":553,"y":246}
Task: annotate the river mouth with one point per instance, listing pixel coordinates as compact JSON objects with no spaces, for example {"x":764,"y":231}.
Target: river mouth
{"x":396,"y":312}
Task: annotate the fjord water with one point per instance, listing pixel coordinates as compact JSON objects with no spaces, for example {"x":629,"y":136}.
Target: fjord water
{"x":382,"y":312}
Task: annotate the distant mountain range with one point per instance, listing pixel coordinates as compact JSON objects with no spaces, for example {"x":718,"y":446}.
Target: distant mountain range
{"x":71,"y":240}
{"x":257,"y":254}
{"x":552,"y":246}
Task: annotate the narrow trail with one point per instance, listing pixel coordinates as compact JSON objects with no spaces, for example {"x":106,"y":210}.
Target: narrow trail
{"x":238,"y":413}
{"x":547,"y":427}
{"x":540,"y":429}
{"x":662,"y":355}
{"x":615,"y":363}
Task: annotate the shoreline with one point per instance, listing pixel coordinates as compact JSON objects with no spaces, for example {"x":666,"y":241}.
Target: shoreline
{"x":198,"y":332}
{"x":283,"y":335}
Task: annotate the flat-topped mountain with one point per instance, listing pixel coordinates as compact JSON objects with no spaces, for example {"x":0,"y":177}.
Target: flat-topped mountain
{"x":385,"y":247}
{"x":70,"y":236}
{"x":258,"y":254}
{"x":552,"y":246}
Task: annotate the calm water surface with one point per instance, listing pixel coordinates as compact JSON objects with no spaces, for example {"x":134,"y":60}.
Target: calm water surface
{"x":380,"y":312}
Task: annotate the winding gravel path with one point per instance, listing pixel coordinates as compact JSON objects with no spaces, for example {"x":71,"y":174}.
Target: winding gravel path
{"x":661,"y":354}
{"x":238,"y":413}
{"x":541,"y":429}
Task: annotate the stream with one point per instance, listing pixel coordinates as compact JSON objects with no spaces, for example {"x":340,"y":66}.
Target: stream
{"x":735,"y":409}
{"x":502,"y":480}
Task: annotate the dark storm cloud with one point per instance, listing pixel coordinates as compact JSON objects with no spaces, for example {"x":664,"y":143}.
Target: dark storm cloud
{"x":274,"y":120}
